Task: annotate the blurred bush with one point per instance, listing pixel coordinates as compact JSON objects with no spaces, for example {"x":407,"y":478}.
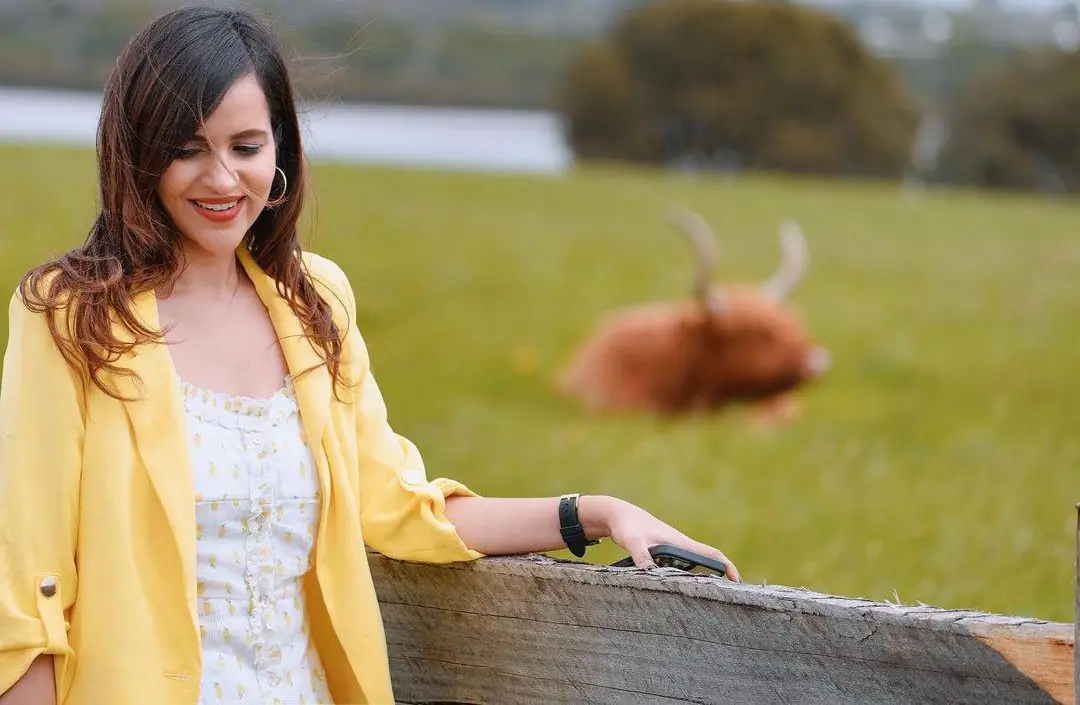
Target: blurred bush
{"x":738,"y":85}
{"x":1015,"y":127}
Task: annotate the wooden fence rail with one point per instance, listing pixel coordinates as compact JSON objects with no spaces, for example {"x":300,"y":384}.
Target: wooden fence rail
{"x":533,"y":629}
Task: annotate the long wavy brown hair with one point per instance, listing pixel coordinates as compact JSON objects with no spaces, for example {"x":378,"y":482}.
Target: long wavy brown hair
{"x":171,"y":75}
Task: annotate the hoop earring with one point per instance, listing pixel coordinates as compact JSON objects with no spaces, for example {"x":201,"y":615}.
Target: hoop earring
{"x":284,"y":190}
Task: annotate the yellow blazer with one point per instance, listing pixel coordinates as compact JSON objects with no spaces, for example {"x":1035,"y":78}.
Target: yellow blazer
{"x":97,"y":514}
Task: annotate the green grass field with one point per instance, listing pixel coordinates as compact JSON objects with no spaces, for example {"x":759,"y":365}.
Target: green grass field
{"x":938,"y":462}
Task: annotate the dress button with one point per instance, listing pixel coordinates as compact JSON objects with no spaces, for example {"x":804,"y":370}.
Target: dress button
{"x":257,"y":440}
{"x":48,"y":586}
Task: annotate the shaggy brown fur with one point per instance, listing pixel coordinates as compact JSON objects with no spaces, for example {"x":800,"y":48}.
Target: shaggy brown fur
{"x":736,"y":343}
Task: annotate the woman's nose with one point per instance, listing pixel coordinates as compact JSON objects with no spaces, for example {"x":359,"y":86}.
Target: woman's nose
{"x":222,"y":177}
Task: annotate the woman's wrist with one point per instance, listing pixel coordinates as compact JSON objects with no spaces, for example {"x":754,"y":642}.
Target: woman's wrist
{"x":596,"y":513}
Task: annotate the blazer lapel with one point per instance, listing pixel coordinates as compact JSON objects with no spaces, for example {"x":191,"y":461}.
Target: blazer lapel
{"x":311,"y":379}
{"x":157,"y":418}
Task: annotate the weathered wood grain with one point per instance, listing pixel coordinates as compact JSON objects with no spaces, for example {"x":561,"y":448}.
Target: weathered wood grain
{"x":536,"y":630}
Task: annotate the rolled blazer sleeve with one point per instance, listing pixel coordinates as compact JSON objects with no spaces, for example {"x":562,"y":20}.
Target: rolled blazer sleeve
{"x":402,"y":513}
{"x":42,"y":411}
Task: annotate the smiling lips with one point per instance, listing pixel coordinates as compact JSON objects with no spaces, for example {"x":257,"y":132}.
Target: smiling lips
{"x":218,"y":210}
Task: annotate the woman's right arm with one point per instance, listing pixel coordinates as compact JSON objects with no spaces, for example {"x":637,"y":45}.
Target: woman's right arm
{"x":42,"y":413}
{"x":37,"y":687}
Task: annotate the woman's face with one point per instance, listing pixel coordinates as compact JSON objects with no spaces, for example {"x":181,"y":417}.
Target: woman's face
{"x":221,"y":180}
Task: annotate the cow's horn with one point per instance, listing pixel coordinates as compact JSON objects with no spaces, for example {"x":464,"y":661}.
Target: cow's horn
{"x":703,"y":240}
{"x":794,"y":261}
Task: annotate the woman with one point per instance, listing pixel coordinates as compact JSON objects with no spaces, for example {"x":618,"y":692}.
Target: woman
{"x":193,"y":450}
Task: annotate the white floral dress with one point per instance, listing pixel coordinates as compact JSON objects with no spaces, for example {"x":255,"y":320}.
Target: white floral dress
{"x":256,"y":511}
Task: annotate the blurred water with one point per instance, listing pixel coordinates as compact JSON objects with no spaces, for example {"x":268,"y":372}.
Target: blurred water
{"x":482,"y":140}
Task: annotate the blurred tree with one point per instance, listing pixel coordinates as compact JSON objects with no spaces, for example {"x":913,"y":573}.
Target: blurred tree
{"x":781,"y":87}
{"x":1015,"y":127}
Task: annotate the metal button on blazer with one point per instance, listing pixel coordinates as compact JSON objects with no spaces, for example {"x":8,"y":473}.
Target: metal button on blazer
{"x":48,"y":586}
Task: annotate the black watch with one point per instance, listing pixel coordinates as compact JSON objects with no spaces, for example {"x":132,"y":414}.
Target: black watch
{"x":570,"y":525}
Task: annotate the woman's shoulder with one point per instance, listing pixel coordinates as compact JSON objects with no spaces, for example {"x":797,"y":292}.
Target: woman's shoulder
{"x":40,"y":325}
{"x":336,"y":290}
{"x":33,"y":298}
{"x":327,"y":272}
{"x":333,"y":285}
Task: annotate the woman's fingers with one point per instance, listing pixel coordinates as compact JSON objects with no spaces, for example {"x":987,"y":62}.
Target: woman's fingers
{"x":707,"y":550}
{"x":640,"y":552}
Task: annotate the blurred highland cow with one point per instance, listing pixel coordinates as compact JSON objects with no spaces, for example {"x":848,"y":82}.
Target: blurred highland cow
{"x":727,"y":344}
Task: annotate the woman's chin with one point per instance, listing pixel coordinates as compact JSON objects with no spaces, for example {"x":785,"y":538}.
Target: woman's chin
{"x":213,"y":245}
{"x":217,"y":240}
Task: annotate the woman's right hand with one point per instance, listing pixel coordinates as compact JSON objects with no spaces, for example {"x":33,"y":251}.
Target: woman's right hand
{"x":36,"y":687}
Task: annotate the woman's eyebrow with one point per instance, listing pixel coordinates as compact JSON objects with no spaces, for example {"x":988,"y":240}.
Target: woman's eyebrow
{"x":243,"y":134}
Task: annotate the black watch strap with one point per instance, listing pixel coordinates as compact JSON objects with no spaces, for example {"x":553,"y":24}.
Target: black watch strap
{"x":570,"y":525}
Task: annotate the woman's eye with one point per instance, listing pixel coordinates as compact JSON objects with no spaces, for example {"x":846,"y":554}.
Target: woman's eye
{"x":186,"y":152}
{"x":248,"y":148}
